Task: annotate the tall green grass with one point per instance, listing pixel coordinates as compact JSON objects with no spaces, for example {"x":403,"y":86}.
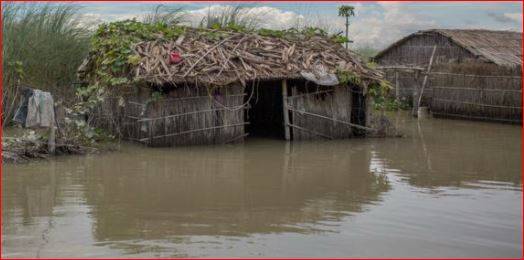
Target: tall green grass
{"x":165,"y":14}
{"x":229,"y":16}
{"x":43,"y":45}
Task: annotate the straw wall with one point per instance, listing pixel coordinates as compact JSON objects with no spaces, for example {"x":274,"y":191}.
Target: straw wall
{"x":416,"y":51}
{"x":182,"y":116}
{"x":315,"y":111}
{"x":405,"y":81}
{"x":482,"y":91}
{"x":192,"y":115}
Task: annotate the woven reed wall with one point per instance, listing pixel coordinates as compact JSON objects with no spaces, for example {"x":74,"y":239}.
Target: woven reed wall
{"x":483,"y":91}
{"x":200,"y":115}
{"x":333,"y":102}
{"x":183,"y":116}
{"x":408,"y":81}
{"x":417,"y":51}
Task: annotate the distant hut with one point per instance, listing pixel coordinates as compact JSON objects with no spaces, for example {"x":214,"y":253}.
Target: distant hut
{"x":476,"y":74}
{"x":206,"y":86}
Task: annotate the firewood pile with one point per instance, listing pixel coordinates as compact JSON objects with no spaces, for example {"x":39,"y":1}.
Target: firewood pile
{"x":242,"y":57}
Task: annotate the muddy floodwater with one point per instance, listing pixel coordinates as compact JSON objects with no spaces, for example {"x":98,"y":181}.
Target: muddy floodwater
{"x":449,"y":188}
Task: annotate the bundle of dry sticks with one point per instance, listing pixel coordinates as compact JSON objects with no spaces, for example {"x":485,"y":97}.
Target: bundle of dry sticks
{"x":242,"y":57}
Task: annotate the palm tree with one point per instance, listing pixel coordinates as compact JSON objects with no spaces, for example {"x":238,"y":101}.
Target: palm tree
{"x":346,"y":11}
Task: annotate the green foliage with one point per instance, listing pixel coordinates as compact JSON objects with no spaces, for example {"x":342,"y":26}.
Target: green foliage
{"x":112,"y":47}
{"x":348,"y":77}
{"x":230,"y":16}
{"x":339,"y":39}
{"x":292,"y":33}
{"x":390,"y":104}
{"x":133,"y":59}
{"x":77,"y":130}
{"x":372,"y":65}
{"x":236,"y":27}
{"x":16,"y":68}
{"x":42,"y":46}
{"x":271,"y":33}
{"x":377,"y":90}
{"x":165,"y":14}
{"x":380,"y":89}
{"x":346,"y":11}
{"x":313,"y":31}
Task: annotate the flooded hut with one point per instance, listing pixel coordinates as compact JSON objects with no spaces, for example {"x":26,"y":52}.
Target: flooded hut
{"x":472,"y":74}
{"x":213,"y":86}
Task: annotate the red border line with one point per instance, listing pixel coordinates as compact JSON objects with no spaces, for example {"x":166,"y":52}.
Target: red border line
{"x":522,"y":130}
{"x":268,"y":1}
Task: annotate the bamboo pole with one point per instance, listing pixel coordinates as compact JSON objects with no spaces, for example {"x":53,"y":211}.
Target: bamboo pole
{"x":192,"y":131}
{"x":476,"y":76}
{"x":424,"y":82}
{"x":452,"y":115}
{"x":236,"y":138}
{"x":311,"y":131}
{"x":397,"y":87}
{"x":477,"y":89}
{"x":333,"y":120}
{"x":287,"y":130}
{"x":475,"y":104}
{"x":184,"y":114}
{"x":51,"y":145}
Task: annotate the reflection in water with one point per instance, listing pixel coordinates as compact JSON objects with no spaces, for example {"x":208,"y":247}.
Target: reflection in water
{"x":272,"y":198}
{"x":228,"y":190}
{"x":453,"y":152}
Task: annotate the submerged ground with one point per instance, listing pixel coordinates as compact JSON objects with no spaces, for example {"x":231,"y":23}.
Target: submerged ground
{"x":449,"y":188}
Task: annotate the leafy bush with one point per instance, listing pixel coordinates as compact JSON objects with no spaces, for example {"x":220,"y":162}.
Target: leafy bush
{"x":390,"y":104}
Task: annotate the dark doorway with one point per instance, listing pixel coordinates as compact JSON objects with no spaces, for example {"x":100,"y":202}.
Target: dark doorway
{"x":358,"y":109}
{"x":265,"y":115}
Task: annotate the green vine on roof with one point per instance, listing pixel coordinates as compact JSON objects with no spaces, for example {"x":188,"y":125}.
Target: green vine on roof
{"x":113,"y":56}
{"x":113,"y":42}
{"x":377,"y":89}
{"x":348,"y":77}
{"x":112,"y":47}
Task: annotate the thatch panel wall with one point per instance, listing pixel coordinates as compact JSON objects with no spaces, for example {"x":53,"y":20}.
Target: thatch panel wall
{"x":182,"y":116}
{"x":195,"y":116}
{"x":117,"y":114}
{"x":408,"y":81}
{"x":417,"y":51}
{"x":192,"y":115}
{"x":494,"y":97}
{"x":332,"y":102}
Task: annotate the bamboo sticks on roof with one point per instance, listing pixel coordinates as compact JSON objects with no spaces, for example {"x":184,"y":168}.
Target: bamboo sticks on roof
{"x":242,"y":57}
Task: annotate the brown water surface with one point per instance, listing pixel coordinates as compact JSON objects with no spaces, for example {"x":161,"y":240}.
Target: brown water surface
{"x":449,"y":188}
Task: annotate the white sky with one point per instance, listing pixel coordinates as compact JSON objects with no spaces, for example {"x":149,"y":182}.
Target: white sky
{"x":376,"y":24}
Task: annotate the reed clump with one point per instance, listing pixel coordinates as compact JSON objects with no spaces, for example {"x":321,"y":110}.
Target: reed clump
{"x":43,"y":45}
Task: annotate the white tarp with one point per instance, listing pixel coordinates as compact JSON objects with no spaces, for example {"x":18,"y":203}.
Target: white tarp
{"x":320,"y":76}
{"x":40,"y":110}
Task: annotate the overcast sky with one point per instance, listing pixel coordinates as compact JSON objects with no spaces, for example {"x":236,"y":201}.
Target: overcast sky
{"x":376,"y":24}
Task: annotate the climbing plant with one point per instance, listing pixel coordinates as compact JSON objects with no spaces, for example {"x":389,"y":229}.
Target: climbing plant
{"x":112,"y":48}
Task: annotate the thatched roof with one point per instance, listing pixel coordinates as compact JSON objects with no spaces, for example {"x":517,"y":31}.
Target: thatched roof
{"x":500,"y":47}
{"x":221,"y":57}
